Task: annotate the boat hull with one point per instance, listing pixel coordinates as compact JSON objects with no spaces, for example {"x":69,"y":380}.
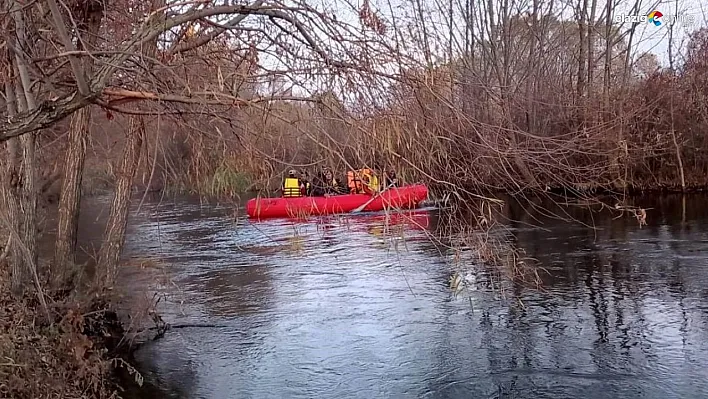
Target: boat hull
{"x":406,"y":197}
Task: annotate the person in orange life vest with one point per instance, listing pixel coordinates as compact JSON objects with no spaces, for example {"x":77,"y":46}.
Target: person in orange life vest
{"x":292,"y":186}
{"x":354,"y":182}
{"x":362,"y":181}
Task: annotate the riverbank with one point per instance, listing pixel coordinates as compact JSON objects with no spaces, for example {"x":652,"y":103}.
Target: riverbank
{"x":71,"y":355}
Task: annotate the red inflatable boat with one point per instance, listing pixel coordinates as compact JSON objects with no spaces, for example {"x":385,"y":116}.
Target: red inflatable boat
{"x":406,"y":197}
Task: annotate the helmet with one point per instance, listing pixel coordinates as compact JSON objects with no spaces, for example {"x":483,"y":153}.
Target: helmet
{"x":292,"y":172}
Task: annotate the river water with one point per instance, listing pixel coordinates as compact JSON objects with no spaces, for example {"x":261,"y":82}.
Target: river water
{"x":358,"y":307}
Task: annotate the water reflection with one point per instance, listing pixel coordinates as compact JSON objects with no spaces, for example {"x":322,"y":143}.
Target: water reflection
{"x":359,"y":307}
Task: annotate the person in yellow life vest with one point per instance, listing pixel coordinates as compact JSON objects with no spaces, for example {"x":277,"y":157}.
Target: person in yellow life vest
{"x":370,"y":180}
{"x":292,"y":186}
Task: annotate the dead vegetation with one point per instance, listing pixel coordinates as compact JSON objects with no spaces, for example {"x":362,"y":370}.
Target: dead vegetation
{"x":66,"y":357}
{"x":471,"y":98}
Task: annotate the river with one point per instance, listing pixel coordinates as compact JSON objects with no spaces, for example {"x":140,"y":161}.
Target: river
{"x":353,"y":307}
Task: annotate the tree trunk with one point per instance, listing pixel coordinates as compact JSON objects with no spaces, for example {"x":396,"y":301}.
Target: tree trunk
{"x":114,"y":237}
{"x":679,"y":159}
{"x":19,"y":194}
{"x":70,"y":197}
{"x":11,"y":199}
{"x":532,"y":78}
{"x":582,"y":57}
{"x":591,"y":44}
{"x":26,"y":193}
{"x":28,"y":198}
{"x":424,"y":31}
{"x":608,"y":56}
{"x":671,"y":39}
{"x":469,"y":60}
{"x":630,"y":41}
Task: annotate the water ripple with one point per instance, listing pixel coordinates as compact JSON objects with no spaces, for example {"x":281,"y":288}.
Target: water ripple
{"x":338,"y":307}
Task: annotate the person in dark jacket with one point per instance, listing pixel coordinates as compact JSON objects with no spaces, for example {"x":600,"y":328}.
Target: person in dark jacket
{"x":325,"y":184}
{"x":306,"y":181}
{"x":390,"y":178}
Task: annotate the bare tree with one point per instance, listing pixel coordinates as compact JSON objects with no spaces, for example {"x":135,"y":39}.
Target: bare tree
{"x":582,"y":56}
{"x":90,"y":16}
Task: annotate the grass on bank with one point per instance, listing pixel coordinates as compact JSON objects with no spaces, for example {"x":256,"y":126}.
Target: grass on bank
{"x":224,"y":180}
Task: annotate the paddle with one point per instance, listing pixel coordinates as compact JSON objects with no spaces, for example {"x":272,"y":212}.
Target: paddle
{"x":361,"y":208}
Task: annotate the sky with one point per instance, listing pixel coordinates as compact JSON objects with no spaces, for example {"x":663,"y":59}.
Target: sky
{"x":691,"y":16}
{"x":648,"y":37}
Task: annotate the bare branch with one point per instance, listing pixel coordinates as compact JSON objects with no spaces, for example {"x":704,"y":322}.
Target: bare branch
{"x":69,"y":46}
{"x":199,"y":98}
{"x":178,"y":47}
